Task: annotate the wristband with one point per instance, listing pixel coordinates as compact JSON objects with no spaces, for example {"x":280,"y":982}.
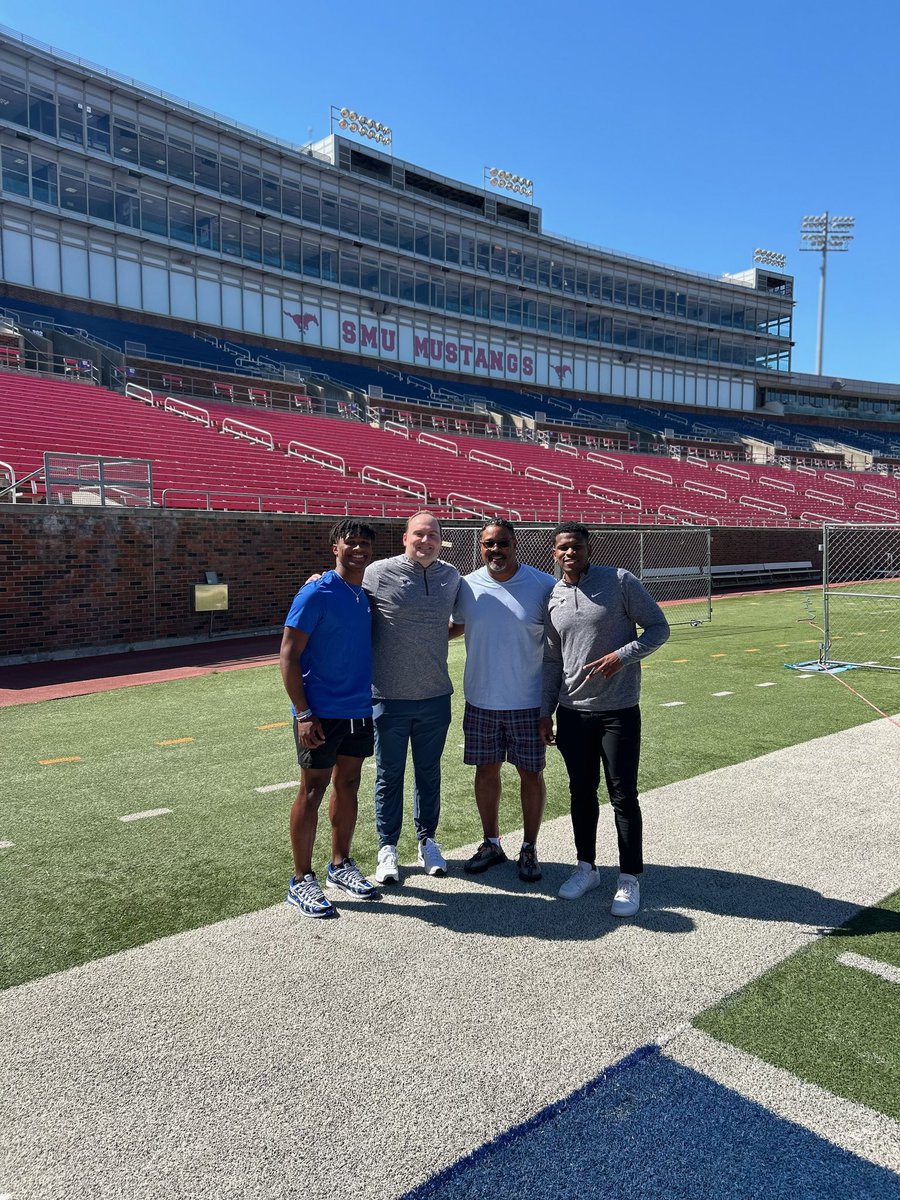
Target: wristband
{"x":306,"y":715}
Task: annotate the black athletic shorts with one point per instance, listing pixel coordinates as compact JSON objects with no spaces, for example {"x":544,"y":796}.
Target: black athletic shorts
{"x":349,"y":738}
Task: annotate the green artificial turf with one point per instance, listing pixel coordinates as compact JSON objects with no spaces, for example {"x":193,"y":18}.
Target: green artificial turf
{"x":78,"y":884}
{"x":833,"y":1024}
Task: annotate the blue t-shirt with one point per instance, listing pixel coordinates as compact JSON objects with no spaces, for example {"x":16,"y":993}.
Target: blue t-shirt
{"x":504,"y":637}
{"x":337,"y":662}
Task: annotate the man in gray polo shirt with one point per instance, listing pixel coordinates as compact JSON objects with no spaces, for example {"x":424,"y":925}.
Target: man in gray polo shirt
{"x":412,"y":596}
{"x":592,"y":680}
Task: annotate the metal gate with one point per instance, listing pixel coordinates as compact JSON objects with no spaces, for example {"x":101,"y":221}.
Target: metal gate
{"x":861,"y":596}
{"x":94,"y":479}
{"x":672,"y":564}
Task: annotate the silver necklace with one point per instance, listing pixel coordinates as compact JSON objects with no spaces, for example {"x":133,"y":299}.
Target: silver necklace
{"x":357,"y":592}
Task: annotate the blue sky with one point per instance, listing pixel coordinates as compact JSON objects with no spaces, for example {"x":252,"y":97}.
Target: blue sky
{"x":686,"y":132}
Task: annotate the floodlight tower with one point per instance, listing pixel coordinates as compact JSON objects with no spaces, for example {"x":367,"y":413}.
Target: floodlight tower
{"x":824,"y":233}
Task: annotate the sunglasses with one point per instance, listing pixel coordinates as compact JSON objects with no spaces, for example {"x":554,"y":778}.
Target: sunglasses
{"x":496,"y":543}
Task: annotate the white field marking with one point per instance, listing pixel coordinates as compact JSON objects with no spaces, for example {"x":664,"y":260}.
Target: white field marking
{"x":150,"y":812}
{"x":673,"y":703}
{"x":765,"y":685}
{"x":722,"y":693}
{"x":6,"y":846}
{"x":278,"y":787}
{"x":806,"y":676}
{"x":873,"y":966}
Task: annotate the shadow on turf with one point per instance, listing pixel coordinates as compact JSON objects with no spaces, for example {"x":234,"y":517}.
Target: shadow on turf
{"x":501,"y":905}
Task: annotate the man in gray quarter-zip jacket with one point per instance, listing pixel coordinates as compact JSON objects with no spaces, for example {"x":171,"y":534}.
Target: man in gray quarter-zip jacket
{"x":592,"y":680}
{"x":412,"y":597}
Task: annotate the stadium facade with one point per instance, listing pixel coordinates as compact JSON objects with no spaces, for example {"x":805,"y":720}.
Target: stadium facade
{"x":121,"y":200}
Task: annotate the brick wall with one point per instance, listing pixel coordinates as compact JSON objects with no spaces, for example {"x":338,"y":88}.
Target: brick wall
{"x":87,"y":578}
{"x":84,"y":578}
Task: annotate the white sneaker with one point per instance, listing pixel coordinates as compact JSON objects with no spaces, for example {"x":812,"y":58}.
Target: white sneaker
{"x":430,"y":857}
{"x":583,"y":879}
{"x":627,"y":899}
{"x":387,"y":870}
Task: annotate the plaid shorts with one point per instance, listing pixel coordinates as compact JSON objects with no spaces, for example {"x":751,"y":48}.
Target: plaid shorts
{"x":498,"y":735}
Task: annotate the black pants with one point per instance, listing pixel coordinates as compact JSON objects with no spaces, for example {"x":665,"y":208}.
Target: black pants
{"x":585,"y":740}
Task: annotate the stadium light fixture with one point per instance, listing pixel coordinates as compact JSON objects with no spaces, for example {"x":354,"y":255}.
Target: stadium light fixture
{"x":497,"y":178}
{"x":770,"y":258}
{"x":824,"y":234}
{"x":348,"y":120}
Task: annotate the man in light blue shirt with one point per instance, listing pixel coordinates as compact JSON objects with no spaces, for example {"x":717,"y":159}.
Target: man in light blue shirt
{"x":500,"y":608}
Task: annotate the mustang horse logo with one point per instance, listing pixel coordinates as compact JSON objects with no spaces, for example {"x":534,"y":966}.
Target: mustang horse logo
{"x":562,"y":371}
{"x":302,"y":320}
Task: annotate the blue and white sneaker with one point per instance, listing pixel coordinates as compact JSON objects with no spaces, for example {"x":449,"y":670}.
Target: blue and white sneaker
{"x":306,"y":895}
{"x":348,"y":878}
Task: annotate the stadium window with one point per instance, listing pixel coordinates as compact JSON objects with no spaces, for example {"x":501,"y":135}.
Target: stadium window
{"x":407,"y":286}
{"x":466,"y":251}
{"x":670,"y":302}
{"x":407,"y":235}
{"x":15,"y":172}
{"x":97,"y":128}
{"x":423,"y":240}
{"x":607,"y":287}
{"x":290,"y":201}
{"x":349,"y":269}
{"x":330,"y":265}
{"x":100,"y":199}
{"x":231,"y":237}
{"x":312,"y":259}
{"x":42,"y":112}
{"x":181,"y":221}
{"x":368,"y":222}
{"x":438,"y":247}
{"x":467,"y":298}
{"x":498,"y":306}
{"x":13,"y":103}
{"x":498,"y":260}
{"x":593,"y":329}
{"x":529,"y":268}
{"x":125,"y":141}
{"x":423,"y":288}
{"x":451,"y":248}
{"x":680,"y":304}
{"x":271,"y":192}
{"x":272,"y":249}
{"x":529,"y":314}
{"x":606,"y":331}
{"x":153,"y":155}
{"x":543,"y":316}
{"x":388,"y":231}
{"x":72,"y":190}
{"x":482,"y":302}
{"x":181,"y":162}
{"x":230,"y":175}
{"x":312,"y":208}
{"x":451,"y":295}
{"x":208,"y":230}
{"x":349,"y":214}
{"x":514,"y":262}
{"x":388,"y":281}
{"x":252,"y":242}
{"x":128,"y":207}
{"x":153,"y":214}
{"x":543,"y":273}
{"x":513,"y":310}
{"x":581,"y":282}
{"x":647,"y":296}
{"x":71,"y":120}
{"x":44,"y":185}
{"x":569,"y":323}
{"x":483,"y":256}
{"x":368,"y":274}
{"x":556,"y":276}
{"x":568,"y":279}
{"x":595,"y":285}
{"x":290,"y":248}
{"x":251,"y":186}
{"x":556,"y":318}
{"x":437,"y":293}
{"x":329,"y":210}
{"x":206,"y":169}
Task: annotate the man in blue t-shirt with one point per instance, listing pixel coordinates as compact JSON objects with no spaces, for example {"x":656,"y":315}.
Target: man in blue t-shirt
{"x":326,"y":665}
{"x":501,"y":609}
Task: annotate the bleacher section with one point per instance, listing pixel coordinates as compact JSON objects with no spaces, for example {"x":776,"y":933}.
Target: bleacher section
{"x":220,"y":454}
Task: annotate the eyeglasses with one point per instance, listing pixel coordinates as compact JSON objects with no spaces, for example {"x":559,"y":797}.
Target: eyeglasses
{"x":497,"y":544}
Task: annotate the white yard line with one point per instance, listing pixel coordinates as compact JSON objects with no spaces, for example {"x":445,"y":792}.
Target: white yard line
{"x":863,"y":963}
{"x":278,"y":787}
{"x":150,"y":812}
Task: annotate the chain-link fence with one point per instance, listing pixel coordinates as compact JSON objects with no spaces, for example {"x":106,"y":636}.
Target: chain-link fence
{"x":673,"y":564}
{"x":861,"y":595}
{"x":93,"y":479}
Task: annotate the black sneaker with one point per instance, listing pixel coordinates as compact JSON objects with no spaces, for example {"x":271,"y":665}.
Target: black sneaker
{"x":529,"y":867}
{"x":487,"y":855}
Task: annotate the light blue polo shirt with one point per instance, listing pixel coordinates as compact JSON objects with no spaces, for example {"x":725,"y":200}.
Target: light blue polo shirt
{"x":504,"y":637}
